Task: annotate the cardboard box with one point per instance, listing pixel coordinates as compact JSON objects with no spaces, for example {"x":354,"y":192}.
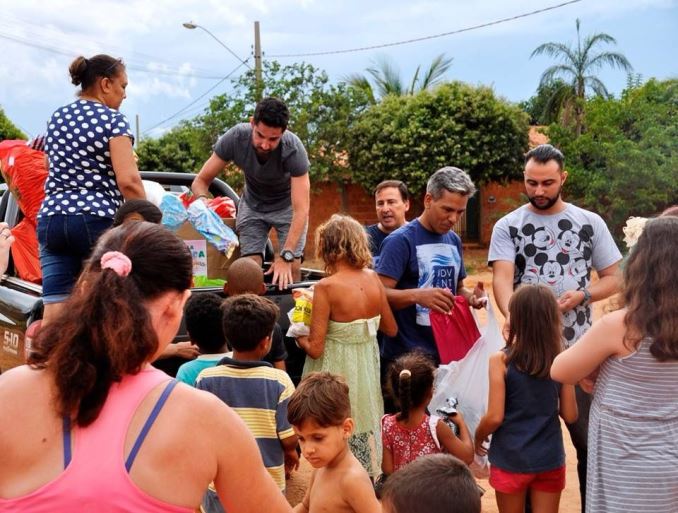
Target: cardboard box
{"x":207,"y":260}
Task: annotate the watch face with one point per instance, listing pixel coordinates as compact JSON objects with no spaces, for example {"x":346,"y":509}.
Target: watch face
{"x":287,"y":256}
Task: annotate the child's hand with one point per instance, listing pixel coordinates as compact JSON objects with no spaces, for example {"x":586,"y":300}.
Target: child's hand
{"x":481,"y":446}
{"x":291,"y":462}
{"x":457,"y":419}
{"x":302,"y":342}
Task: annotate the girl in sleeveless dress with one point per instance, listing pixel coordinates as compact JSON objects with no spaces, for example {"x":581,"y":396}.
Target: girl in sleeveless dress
{"x":527,"y":453}
{"x":630,"y":358}
{"x":349,"y":307}
{"x":411,"y":432}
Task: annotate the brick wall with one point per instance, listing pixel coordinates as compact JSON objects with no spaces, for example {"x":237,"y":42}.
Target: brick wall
{"x":330,"y":198}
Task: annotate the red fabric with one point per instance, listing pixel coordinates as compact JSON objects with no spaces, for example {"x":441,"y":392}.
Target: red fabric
{"x":25,"y":171}
{"x":25,"y":252}
{"x":456,"y":332}
{"x":223,"y":206}
{"x":550,"y":481}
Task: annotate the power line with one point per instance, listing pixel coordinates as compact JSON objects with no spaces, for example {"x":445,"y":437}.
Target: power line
{"x":425,"y":38}
{"x":134,"y":67}
{"x":182,"y":110}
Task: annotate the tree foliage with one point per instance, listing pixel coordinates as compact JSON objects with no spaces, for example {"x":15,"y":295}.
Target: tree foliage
{"x":625,"y":163}
{"x":320,"y":114}
{"x":578,"y":67}
{"x":549,"y":102}
{"x":409,"y":137}
{"x":7,"y":129}
{"x":384,"y":78}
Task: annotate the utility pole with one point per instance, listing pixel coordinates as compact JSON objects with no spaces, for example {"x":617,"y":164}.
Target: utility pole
{"x":257,"y":61}
{"x":136,"y":141}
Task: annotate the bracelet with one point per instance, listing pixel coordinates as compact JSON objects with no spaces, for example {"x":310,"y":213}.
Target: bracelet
{"x":203,"y":196}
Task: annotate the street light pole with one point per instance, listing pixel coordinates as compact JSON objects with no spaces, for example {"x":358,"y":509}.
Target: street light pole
{"x":190,"y":25}
{"x":257,"y":62}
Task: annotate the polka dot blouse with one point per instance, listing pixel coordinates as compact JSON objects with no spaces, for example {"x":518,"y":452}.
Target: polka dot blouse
{"x":81,"y":178}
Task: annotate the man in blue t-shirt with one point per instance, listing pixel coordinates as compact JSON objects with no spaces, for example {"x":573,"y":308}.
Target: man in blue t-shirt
{"x":392,"y":201}
{"x":421,"y":265}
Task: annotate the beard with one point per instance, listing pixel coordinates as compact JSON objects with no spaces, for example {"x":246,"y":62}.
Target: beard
{"x":549,"y":203}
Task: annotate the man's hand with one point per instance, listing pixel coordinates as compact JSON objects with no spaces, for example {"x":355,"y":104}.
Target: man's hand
{"x":282,"y":273}
{"x":440,"y":300}
{"x":570,"y":299}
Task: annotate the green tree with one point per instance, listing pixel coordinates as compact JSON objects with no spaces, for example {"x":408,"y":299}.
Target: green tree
{"x":546,"y":106}
{"x":384,"y":78}
{"x":7,"y":129}
{"x":625,"y":163}
{"x":320,"y":114}
{"x":409,"y":137}
{"x":578,"y":67}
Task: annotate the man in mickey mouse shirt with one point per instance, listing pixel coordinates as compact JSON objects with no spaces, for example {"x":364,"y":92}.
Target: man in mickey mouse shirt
{"x":556,"y":243}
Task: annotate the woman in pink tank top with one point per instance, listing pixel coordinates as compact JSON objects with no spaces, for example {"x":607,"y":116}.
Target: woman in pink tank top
{"x":89,"y":425}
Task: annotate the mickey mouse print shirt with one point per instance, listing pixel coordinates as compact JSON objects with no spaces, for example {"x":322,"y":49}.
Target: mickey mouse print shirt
{"x":558,"y":250}
{"x":81,"y":178}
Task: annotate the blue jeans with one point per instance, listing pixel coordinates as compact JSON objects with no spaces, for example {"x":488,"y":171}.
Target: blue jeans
{"x":65,"y":242}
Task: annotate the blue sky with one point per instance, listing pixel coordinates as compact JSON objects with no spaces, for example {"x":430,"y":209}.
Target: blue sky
{"x":170,"y":66}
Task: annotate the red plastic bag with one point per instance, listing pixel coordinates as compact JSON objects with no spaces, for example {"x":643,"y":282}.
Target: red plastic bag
{"x":25,"y":251}
{"x":223,"y":206}
{"x":454,"y":333}
{"x":25,"y":171}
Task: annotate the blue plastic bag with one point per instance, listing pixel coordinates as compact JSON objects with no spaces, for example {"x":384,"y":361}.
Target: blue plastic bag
{"x":173,"y":211}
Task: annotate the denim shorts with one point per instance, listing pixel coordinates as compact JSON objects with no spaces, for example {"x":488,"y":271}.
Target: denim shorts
{"x":65,"y":242}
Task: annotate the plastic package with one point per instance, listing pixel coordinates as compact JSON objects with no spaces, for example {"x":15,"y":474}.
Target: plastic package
{"x":154,"y":191}
{"x":300,"y":315}
{"x":468,"y":381}
{"x":456,"y":332}
{"x":173,"y":211}
{"x":210,"y":226}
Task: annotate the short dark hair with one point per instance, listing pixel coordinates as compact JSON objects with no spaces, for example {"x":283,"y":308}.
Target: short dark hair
{"x":247,"y":320}
{"x":321,"y":397}
{"x":144,"y":208}
{"x":204,"y":322}
{"x":396,"y":184}
{"x":410,"y":389}
{"x":545,"y":152}
{"x":244,"y":276}
{"x":437,"y":483}
{"x":272,"y":112}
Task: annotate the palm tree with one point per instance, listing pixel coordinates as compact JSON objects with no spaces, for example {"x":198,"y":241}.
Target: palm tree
{"x":577,"y":70}
{"x":386,"y":80}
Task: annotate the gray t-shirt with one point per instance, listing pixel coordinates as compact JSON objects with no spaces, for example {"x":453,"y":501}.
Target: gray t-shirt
{"x":558,"y":250}
{"x":267,"y":185}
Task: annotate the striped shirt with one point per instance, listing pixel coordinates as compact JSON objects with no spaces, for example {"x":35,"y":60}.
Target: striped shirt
{"x":258,"y":393}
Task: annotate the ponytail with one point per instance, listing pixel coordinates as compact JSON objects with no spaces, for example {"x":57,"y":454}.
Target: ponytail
{"x":105,"y":331}
{"x":404,"y":394}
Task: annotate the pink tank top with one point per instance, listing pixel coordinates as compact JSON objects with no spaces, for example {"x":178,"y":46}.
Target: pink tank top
{"x":96,"y":479}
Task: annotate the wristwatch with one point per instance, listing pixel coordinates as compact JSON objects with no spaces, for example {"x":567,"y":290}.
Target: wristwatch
{"x":287,"y":256}
{"x":587,"y":297}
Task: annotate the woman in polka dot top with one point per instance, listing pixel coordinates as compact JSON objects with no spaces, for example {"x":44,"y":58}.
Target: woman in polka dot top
{"x":91,"y":170}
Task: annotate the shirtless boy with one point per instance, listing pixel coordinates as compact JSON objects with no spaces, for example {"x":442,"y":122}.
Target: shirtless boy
{"x":319,"y":411}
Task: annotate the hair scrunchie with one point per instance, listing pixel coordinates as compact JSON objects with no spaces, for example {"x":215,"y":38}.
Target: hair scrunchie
{"x":405,"y":373}
{"x":117,"y":261}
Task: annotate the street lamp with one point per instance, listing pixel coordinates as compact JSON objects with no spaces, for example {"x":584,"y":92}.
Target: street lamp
{"x":190,"y":25}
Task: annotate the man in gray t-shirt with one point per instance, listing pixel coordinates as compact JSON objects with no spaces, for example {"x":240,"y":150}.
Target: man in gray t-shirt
{"x":558,"y":244}
{"x":275,"y":165}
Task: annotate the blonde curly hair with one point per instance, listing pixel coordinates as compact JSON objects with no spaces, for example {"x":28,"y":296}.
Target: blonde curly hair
{"x":342,"y":238}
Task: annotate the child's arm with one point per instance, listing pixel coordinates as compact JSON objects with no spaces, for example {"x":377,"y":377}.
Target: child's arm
{"x":387,"y":324}
{"x":495,"y":404}
{"x":314,"y":344}
{"x":461,"y":447}
{"x":305,"y":505}
{"x":568,"y":404}
{"x":604,"y":339}
{"x":358,"y":492}
{"x":289,"y":446}
{"x":387,"y":461}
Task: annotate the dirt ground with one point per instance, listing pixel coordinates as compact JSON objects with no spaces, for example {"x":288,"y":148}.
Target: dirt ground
{"x":569,"y":503}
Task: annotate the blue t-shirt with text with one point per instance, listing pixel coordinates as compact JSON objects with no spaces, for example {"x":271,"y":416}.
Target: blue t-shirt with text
{"x":418,"y":258}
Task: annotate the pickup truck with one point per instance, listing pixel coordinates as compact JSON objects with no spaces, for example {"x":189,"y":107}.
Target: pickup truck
{"x":21,"y":303}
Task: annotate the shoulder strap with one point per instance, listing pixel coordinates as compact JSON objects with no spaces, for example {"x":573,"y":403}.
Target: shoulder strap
{"x":67,"y":440}
{"x":149,"y":423}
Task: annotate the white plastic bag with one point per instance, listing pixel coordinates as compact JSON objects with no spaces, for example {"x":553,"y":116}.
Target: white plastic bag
{"x":468,"y":381}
